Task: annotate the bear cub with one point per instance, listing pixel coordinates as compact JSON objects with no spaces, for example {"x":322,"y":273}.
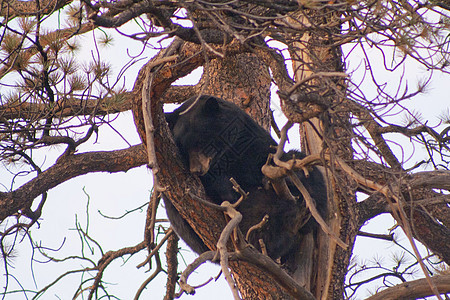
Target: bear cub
{"x":218,"y":141}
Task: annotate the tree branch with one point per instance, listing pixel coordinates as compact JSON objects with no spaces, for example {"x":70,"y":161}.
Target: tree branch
{"x":17,"y":8}
{"x":438,"y":179}
{"x":172,"y":266}
{"x":68,"y":167}
{"x":414,"y":289}
{"x":66,"y":108}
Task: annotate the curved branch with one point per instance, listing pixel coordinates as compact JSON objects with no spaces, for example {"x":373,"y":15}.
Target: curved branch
{"x":209,"y":35}
{"x":121,"y":18}
{"x":426,"y":228}
{"x":68,"y":167}
{"x":414,"y":289}
{"x":275,"y":61}
{"x":375,"y":177}
{"x":106,"y":260}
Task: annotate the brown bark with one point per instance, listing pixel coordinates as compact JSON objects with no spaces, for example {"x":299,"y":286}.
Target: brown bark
{"x":242,"y":79}
{"x":327,"y":276}
{"x":427,"y":230}
{"x":172,"y":266}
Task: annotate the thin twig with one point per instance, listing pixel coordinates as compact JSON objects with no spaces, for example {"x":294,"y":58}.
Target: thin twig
{"x":263,"y":222}
{"x":156,"y":249}
{"x":204,"y":257}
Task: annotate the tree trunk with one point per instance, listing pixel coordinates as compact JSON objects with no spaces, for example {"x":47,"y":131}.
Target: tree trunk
{"x":322,"y":263}
{"x":253,"y":282}
{"x":245,"y":80}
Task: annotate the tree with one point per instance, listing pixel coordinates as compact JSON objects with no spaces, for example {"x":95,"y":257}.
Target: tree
{"x":304,"y":48}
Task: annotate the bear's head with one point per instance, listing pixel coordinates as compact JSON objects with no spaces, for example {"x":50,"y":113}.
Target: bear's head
{"x":218,"y":141}
{"x":194,"y":125}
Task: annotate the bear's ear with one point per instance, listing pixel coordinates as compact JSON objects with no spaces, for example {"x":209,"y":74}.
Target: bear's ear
{"x":171,"y":119}
{"x":211,"y":106}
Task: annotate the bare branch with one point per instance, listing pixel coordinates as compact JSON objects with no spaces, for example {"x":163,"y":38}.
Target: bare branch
{"x":155,"y":273}
{"x":155,"y":250}
{"x":68,"y":167}
{"x":414,"y":289}
{"x":148,"y":123}
{"x":231,"y":226}
{"x":312,"y":208}
{"x":387,"y":237}
{"x":202,"y":258}
{"x":439,"y":179}
{"x":107,"y":258}
{"x":172,"y":266}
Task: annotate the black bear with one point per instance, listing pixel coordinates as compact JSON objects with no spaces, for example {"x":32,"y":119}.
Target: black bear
{"x":219,"y":141}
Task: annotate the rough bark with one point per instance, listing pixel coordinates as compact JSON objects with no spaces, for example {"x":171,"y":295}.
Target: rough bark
{"x":172,"y":266}
{"x":242,"y":79}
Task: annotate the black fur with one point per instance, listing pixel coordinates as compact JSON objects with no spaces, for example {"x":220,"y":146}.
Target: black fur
{"x":211,"y":130}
